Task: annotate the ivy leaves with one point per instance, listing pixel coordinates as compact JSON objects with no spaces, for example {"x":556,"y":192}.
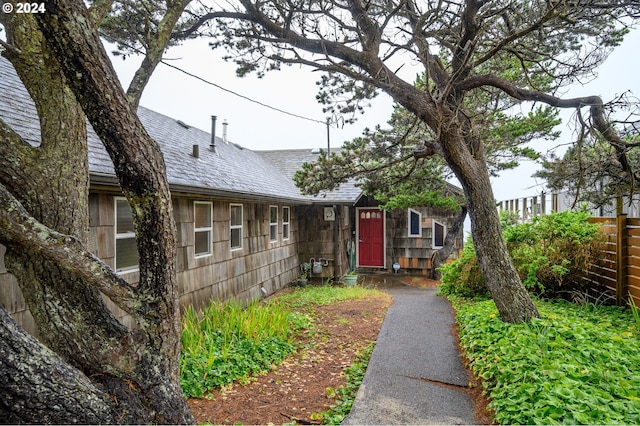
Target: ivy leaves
{"x":578,"y":364}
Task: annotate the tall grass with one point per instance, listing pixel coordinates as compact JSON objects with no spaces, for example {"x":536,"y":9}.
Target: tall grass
{"x":226,"y":342}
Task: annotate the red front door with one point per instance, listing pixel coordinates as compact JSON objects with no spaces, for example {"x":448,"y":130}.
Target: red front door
{"x":371,"y":237}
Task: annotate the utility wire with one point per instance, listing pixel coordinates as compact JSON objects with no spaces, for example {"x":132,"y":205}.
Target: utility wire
{"x":140,"y":52}
{"x":240,"y":95}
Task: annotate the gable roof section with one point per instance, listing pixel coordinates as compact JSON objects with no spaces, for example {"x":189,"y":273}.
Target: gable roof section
{"x":231,"y":171}
{"x":289,"y":161}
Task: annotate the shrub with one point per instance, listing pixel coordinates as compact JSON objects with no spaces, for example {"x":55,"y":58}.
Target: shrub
{"x":553,"y":251}
{"x":463,"y":276}
{"x":226,"y":342}
{"x":551,"y":255}
{"x":508,"y":218}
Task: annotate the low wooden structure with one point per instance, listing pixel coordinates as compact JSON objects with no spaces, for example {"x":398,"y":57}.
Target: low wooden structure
{"x":617,"y":264}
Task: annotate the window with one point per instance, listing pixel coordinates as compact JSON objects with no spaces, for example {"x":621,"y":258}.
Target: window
{"x":236,"y":226}
{"x":285,"y":223}
{"x":126,"y":250}
{"x":202,"y":228}
{"x":415,"y":219}
{"x":439,"y":232}
{"x":273,"y":223}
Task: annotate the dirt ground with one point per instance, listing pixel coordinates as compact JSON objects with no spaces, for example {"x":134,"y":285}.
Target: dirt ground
{"x":302,"y":384}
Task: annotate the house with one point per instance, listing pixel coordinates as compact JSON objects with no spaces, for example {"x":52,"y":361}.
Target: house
{"x":243,"y":228}
{"x":526,"y":208}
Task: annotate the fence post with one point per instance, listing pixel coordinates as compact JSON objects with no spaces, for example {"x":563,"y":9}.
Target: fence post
{"x":621,"y":259}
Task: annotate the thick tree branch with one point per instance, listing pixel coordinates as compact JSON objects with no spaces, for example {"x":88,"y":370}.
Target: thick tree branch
{"x":525,"y":94}
{"x":21,"y":230}
{"x":155,"y":49}
{"x":40,"y":387}
{"x":205,"y":19}
{"x":594,"y":102}
{"x":136,"y":157}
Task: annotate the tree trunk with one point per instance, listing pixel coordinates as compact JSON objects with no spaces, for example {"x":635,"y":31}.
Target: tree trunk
{"x":99,"y":371}
{"x":501,"y":278}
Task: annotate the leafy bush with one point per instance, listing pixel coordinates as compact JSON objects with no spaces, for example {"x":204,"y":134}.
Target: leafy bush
{"x":553,"y":251}
{"x":551,"y":255}
{"x":508,"y":218}
{"x":578,"y":364}
{"x":463,"y":276}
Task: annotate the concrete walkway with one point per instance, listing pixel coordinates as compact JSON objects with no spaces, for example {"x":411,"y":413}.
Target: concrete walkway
{"x":414,"y":355}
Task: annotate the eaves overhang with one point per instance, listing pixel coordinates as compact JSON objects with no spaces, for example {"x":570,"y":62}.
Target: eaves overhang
{"x":102,"y":180}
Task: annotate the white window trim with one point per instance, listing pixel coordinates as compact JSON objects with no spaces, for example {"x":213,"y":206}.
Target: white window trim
{"x":203,"y":229}
{"x":240,"y":227}
{"x":121,"y":236}
{"x":287,"y":224}
{"x":433,"y":234}
{"x":273,"y":224}
{"x":419,"y":234}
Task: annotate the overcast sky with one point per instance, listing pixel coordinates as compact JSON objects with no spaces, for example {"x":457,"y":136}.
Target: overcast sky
{"x":293,"y":90}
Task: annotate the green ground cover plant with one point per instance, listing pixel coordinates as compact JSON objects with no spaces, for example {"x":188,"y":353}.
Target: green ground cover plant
{"x":577,"y":364}
{"x":226,"y":342}
{"x":321,"y":295}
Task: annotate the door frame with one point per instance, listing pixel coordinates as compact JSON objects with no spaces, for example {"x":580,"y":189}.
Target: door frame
{"x":384,"y":237}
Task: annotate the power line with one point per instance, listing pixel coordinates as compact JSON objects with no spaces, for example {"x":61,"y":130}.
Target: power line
{"x":140,"y":52}
{"x":241,"y":95}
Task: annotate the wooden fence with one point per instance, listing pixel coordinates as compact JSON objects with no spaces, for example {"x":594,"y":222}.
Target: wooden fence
{"x":617,"y":266}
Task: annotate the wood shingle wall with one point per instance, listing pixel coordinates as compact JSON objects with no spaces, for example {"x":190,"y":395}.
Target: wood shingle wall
{"x":222,"y":275}
{"x":414,"y":253}
{"x":317,"y":238}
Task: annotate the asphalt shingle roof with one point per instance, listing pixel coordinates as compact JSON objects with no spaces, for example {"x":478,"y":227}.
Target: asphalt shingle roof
{"x":289,"y":161}
{"x":229,"y":171}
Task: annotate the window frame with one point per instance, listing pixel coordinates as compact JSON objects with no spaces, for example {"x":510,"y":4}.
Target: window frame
{"x":207,"y":229}
{"x":286,"y":224}
{"x":233,"y":227}
{"x":123,"y":236}
{"x":273,"y":226}
{"x":433,"y":234}
{"x":411,"y":211}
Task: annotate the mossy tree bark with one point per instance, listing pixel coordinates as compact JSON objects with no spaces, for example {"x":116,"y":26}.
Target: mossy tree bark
{"x":88,"y":368}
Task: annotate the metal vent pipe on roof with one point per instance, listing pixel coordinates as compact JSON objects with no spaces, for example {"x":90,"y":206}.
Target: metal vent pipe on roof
{"x":224,"y":131}
{"x":212,"y":144}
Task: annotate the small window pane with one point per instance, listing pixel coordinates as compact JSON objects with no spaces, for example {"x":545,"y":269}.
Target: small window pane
{"x":414,"y":224}
{"x":124,"y":219}
{"x":273,"y":223}
{"x":203,"y":243}
{"x":438,"y":235}
{"x":126,"y":253}
{"x":236,"y":215}
{"x":236,"y":226}
{"x":203,"y":215}
{"x":285,"y":223}
{"x":236,"y":238}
